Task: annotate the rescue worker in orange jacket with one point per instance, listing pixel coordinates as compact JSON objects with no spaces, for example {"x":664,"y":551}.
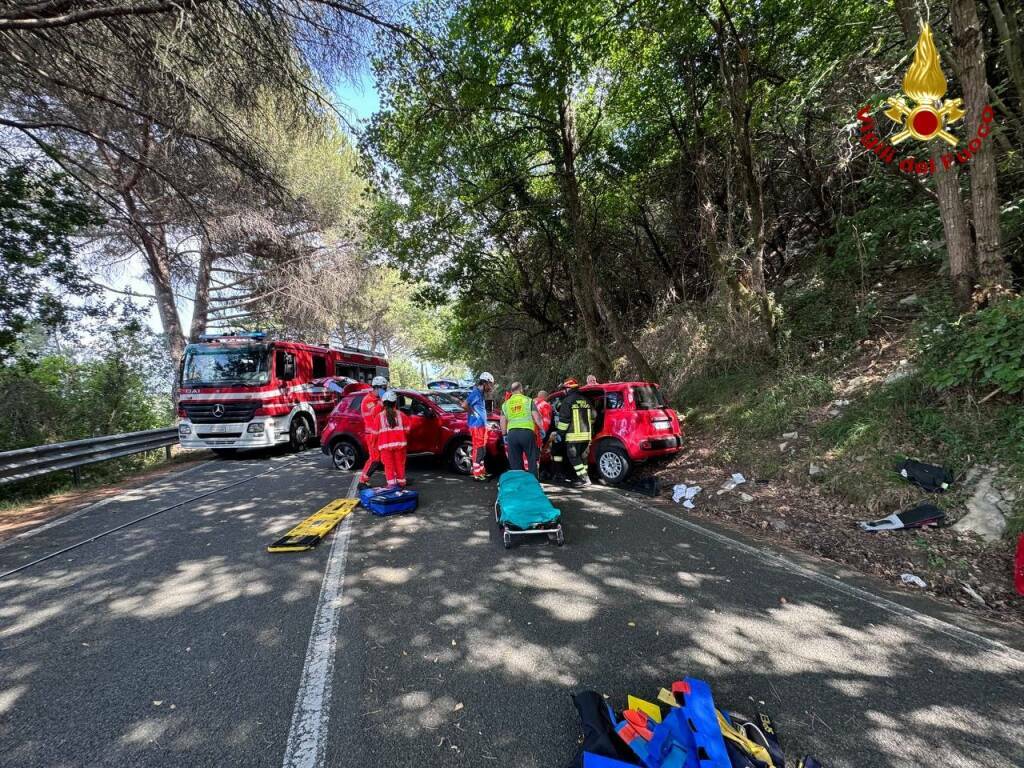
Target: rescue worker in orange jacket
{"x":392,"y":440}
{"x":370,"y":410}
{"x":547,"y":413}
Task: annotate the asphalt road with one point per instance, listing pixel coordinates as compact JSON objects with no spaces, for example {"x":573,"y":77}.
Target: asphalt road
{"x":179,"y":641}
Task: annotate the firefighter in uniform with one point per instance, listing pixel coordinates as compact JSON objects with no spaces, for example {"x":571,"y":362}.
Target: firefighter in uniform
{"x":573,"y":431}
{"x":476,"y":405}
{"x":370,"y":410}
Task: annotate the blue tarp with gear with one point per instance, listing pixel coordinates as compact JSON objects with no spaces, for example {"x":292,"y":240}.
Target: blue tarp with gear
{"x":522,"y":503}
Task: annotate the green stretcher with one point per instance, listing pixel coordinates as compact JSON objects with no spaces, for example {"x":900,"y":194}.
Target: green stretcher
{"x":522,"y":509}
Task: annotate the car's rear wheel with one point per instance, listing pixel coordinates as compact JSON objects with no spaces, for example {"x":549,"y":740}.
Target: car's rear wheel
{"x":345,"y":455}
{"x":461,"y":458}
{"x":613,"y":464}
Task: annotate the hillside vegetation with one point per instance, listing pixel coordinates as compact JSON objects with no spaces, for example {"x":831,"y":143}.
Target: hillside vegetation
{"x":688,"y":192}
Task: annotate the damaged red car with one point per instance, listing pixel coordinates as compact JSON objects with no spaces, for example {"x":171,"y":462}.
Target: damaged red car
{"x":437,"y":426}
{"x":633,"y":424}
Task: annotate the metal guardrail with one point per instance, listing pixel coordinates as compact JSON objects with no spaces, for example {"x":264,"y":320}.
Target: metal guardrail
{"x":26,"y":463}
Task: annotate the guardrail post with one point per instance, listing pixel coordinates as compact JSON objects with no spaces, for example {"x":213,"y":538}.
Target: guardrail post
{"x":168,"y":450}
{"x":76,"y":475}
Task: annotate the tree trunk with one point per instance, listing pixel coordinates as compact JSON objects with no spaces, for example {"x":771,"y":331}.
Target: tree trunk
{"x":956,"y":229}
{"x":955,"y":225}
{"x":201,"y":306}
{"x":588,"y":290}
{"x":737,"y":81}
{"x":155,"y":251}
{"x":1010,"y":44}
{"x":675,"y":275}
{"x":708,"y":233}
{"x":993,"y":271}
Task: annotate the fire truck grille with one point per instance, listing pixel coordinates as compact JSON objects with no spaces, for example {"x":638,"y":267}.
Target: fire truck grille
{"x":206,"y":413}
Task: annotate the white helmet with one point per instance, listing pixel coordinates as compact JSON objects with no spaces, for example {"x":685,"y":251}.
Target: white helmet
{"x":379,"y":381}
{"x":389,"y":397}
{"x":485,"y":376}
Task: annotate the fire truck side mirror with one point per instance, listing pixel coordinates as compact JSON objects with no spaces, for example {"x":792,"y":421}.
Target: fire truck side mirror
{"x":285,"y":366}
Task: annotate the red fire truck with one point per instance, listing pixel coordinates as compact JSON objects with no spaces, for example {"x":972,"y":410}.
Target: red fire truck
{"x":246,"y":391}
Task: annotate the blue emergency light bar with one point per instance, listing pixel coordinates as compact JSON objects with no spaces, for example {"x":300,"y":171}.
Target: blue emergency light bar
{"x":239,"y":335}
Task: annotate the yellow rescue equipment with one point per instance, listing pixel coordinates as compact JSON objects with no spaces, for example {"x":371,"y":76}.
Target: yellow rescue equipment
{"x":312,"y":530}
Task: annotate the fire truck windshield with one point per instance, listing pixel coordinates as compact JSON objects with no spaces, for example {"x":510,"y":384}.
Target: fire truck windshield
{"x":221,"y":366}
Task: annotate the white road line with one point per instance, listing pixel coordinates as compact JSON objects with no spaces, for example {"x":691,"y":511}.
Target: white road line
{"x":307,"y":737}
{"x":960,"y":634}
{"x":110,"y":500}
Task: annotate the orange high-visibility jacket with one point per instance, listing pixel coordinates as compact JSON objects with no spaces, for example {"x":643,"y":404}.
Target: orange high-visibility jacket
{"x":369,"y":409}
{"x":388,"y":436}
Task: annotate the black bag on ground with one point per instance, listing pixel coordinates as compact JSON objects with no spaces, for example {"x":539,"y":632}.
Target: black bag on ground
{"x":927,"y":477}
{"x":599,"y":735}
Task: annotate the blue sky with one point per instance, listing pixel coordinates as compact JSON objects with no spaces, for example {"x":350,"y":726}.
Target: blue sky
{"x":358,"y":96}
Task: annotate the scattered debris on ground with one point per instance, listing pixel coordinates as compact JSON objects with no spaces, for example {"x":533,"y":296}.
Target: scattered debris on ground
{"x":920,"y":516}
{"x":928,"y":477}
{"x":684,"y":494}
{"x":956,"y":565}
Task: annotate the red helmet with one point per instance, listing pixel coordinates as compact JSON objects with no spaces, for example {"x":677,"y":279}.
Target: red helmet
{"x":570,"y":383}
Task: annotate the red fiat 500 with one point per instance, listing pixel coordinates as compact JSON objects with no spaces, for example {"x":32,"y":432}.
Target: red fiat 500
{"x":437,"y":425}
{"x":633,"y":425}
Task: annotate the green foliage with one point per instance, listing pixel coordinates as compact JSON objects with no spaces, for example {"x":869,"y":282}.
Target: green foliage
{"x":781,"y":401}
{"x":40,"y":212}
{"x":406,"y":373}
{"x":984,"y":349}
{"x":117,"y":384}
{"x":893,"y":226}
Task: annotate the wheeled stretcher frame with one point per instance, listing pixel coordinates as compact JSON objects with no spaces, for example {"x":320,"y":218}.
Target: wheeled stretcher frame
{"x":552,"y":530}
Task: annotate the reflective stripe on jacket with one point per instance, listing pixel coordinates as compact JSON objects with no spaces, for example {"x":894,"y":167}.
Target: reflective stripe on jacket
{"x":575,"y":418}
{"x":388,"y":436}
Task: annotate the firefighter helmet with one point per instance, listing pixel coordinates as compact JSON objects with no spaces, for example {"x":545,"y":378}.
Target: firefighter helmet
{"x":485,"y":376}
{"x":389,"y":397}
{"x":379,"y":381}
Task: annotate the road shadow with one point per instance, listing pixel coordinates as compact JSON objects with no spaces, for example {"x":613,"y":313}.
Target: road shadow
{"x":451,"y":650}
{"x":474,"y":650}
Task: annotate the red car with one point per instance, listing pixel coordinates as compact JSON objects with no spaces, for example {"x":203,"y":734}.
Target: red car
{"x":437,"y":426}
{"x":633,"y":424}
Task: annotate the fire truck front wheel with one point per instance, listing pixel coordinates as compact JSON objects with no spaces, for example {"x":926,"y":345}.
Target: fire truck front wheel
{"x":301,"y":433}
